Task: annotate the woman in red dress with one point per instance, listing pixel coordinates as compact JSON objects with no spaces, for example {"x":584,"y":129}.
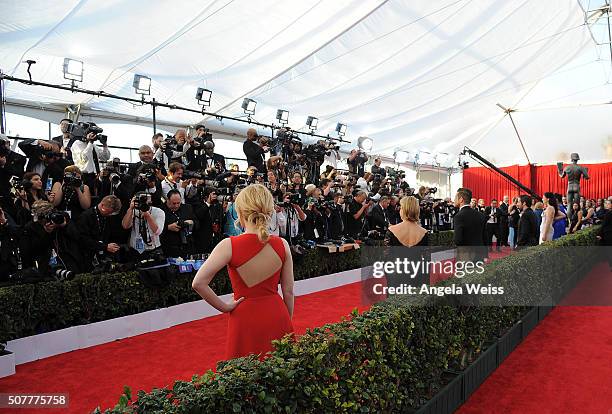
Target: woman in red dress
{"x":256,"y":263}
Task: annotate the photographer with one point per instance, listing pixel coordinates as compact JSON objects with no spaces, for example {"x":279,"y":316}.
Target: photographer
{"x":113,"y":180}
{"x":377,"y":169}
{"x":11,"y":165}
{"x":255,"y":154}
{"x":176,"y":238}
{"x":88,"y":156}
{"x":210,"y":162}
{"x":145,"y":153}
{"x":71,"y":195}
{"x":96,"y":232}
{"x":146,"y":223}
{"x":173,"y":181}
{"x":332,"y":156}
{"x":363,"y":182}
{"x":209,"y":214}
{"x":276,"y":188}
{"x":44,"y":158}
{"x":50,"y":244}
{"x":147,"y":180}
{"x":28,"y":191}
{"x":294,"y":214}
{"x":355,"y":218}
{"x":327,"y":189}
{"x":64,"y":140}
{"x":10,"y":258}
{"x":183,"y":147}
{"x":356,"y":162}
{"x":378,"y":219}
{"x":335,"y":217}
{"x":297,"y":186}
{"x":314,"y":223}
{"x":393,"y":210}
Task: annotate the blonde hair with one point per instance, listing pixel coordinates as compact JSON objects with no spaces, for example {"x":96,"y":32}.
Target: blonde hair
{"x":410,"y":209}
{"x":255,"y":205}
{"x":72,"y":169}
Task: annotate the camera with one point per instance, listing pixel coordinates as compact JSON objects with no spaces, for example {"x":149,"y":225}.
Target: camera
{"x":115,"y":170}
{"x":224,"y":194}
{"x":72,"y":180}
{"x":63,"y":274}
{"x":80,"y":130}
{"x":142,"y":202}
{"x":207,"y":136}
{"x":55,"y":217}
{"x":18,"y":184}
{"x":188,"y":175}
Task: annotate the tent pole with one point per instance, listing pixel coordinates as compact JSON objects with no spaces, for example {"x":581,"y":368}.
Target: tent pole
{"x":519,"y":138}
{"x":2,"y":103}
{"x":154,"y":118}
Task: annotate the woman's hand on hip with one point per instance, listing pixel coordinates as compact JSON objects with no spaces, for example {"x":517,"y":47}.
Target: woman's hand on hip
{"x":232,"y":305}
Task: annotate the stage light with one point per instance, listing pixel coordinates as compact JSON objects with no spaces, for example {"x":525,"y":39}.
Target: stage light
{"x":400,"y":157}
{"x":142,"y":84}
{"x":203,"y":96}
{"x":248,"y":105}
{"x":341,"y":129}
{"x":365,"y":143}
{"x":312,"y":122}
{"x":73,"y":70}
{"x":282,"y":116}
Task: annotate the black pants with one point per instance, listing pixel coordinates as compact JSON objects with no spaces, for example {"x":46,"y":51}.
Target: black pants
{"x":503,"y":232}
{"x":493,"y":229}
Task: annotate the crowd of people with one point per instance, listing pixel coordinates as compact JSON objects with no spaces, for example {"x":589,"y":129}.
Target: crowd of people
{"x":69,"y":207}
{"x":526,"y":221}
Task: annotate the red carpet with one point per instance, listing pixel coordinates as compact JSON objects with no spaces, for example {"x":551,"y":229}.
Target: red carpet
{"x":96,"y":375}
{"x":563,"y":366}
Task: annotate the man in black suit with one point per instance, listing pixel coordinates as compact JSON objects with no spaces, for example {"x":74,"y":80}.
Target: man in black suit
{"x":492,"y":217}
{"x":254,"y":153}
{"x":145,"y":153}
{"x":211,"y":162}
{"x":503,"y":220}
{"x":379,"y":220}
{"x":469,"y":228}
{"x":528,"y":232}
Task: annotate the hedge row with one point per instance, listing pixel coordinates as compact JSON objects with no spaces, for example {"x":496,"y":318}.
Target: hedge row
{"x":30,"y":309}
{"x":388,"y":359}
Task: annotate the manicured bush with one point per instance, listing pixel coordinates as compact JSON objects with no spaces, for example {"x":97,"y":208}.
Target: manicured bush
{"x":388,"y":359}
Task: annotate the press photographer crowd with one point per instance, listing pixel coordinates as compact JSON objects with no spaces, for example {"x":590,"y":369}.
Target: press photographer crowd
{"x":69,"y":207}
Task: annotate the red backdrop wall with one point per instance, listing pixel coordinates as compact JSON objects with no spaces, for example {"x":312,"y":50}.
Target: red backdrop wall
{"x":488,"y":184}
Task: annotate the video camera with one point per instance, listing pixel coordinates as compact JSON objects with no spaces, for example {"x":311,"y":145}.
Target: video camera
{"x":80,"y":130}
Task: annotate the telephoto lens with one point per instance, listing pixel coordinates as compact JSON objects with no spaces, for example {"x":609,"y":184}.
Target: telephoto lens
{"x":63,"y":274}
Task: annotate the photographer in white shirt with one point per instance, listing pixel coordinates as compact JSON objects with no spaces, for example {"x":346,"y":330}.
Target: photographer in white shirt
{"x":146,"y":222}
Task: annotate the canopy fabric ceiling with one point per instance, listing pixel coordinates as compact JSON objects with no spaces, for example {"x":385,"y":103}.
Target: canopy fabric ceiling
{"x":411,"y":74}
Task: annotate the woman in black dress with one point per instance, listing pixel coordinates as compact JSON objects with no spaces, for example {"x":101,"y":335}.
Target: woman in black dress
{"x":408,"y":233}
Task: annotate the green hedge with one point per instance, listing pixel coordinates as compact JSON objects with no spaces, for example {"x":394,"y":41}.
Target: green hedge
{"x":30,"y":309}
{"x":388,"y":359}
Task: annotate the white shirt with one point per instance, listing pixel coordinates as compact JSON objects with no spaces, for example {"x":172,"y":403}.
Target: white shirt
{"x":82,"y":155}
{"x":492,"y":220}
{"x":160,"y":217}
{"x":362,"y":184}
{"x":332,"y":159}
{"x":278,"y":223}
{"x":167,"y":186}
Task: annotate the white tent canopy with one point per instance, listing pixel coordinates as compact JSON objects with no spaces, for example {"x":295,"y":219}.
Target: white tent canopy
{"x":412,"y":74}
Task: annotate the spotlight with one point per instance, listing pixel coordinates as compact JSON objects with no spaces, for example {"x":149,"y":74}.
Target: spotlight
{"x":142,"y":84}
{"x":73,"y":70}
{"x":400,"y":157}
{"x":282,"y":116}
{"x":341,"y":129}
{"x":203,"y":96}
{"x":248,"y":105}
{"x":365,"y":143}
{"x":312,"y":122}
